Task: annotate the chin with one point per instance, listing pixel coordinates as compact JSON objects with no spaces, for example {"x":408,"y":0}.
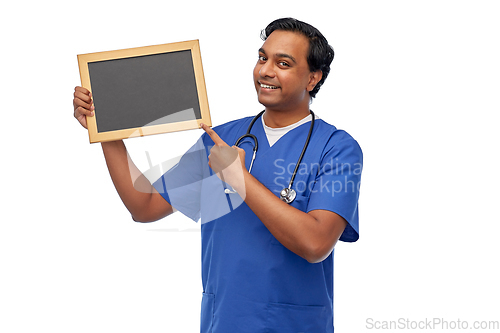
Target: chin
{"x":266,"y":102}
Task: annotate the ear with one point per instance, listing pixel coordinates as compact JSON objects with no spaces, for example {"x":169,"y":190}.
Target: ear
{"x":314,"y":78}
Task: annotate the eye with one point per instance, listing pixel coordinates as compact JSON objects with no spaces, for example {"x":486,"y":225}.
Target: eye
{"x":262,"y":58}
{"x":283,"y":64}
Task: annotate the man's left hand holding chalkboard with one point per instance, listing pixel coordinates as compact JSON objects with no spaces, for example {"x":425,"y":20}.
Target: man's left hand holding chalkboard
{"x":82,"y":104}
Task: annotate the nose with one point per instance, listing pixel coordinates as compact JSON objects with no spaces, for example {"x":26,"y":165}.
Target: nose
{"x":267,"y":70}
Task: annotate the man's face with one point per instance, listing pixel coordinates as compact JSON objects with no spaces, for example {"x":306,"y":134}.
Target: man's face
{"x":281,"y":76}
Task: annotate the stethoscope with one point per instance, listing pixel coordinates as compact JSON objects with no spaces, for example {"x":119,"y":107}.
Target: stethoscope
{"x":287,"y":194}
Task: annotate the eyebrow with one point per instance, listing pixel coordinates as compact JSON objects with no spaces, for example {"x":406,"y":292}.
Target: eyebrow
{"x":280,"y":55}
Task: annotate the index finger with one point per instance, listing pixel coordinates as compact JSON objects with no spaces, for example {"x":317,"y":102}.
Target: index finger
{"x":214,"y":136}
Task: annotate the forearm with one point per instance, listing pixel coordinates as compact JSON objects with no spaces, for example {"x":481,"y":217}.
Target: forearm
{"x":132,"y":186}
{"x":298,"y":231}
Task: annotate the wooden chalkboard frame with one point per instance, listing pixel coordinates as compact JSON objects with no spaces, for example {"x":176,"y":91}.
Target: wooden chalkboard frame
{"x":95,"y":136}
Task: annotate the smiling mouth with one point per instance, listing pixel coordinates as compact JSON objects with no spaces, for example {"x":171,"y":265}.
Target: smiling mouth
{"x":262,"y":85}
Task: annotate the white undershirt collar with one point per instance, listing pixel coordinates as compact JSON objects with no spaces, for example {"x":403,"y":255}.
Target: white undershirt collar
{"x":274,"y":134}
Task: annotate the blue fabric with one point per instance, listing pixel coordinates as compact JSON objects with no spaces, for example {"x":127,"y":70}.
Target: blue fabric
{"x":251,"y":282}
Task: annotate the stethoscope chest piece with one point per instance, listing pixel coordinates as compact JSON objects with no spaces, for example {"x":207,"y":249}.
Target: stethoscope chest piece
{"x":288,"y":195}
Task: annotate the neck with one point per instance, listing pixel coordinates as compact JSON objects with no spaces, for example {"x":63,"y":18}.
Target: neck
{"x":278,"y":119}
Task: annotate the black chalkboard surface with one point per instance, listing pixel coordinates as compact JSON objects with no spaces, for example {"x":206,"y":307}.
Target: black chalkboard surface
{"x":143,"y":91}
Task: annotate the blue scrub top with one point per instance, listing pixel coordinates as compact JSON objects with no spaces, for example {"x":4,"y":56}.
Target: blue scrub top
{"x":251,"y":282}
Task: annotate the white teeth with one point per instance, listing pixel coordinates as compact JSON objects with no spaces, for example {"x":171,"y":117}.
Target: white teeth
{"x":268,"y":87}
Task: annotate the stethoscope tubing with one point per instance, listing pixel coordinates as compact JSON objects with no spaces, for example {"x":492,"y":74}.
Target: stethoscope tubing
{"x":287,"y":194}
{"x":303,"y":151}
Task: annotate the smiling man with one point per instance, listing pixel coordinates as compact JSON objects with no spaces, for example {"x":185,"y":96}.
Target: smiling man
{"x":268,"y":231}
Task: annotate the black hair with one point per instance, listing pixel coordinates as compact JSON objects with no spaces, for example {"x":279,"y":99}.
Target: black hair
{"x":320,"y":53}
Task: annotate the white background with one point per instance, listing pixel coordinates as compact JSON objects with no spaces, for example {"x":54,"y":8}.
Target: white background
{"x":415,"y":82}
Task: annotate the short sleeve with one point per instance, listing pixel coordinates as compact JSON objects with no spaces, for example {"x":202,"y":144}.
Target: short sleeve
{"x":181,"y":185}
{"x":337,"y":183}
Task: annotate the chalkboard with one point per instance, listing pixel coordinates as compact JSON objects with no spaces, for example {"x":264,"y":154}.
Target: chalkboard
{"x":146,"y":90}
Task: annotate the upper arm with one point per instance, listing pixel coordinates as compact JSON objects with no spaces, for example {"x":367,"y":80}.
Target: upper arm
{"x":155,"y":209}
{"x":330,"y":227}
{"x":337,"y":185}
{"x":159,"y":207}
{"x":333,"y":202}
